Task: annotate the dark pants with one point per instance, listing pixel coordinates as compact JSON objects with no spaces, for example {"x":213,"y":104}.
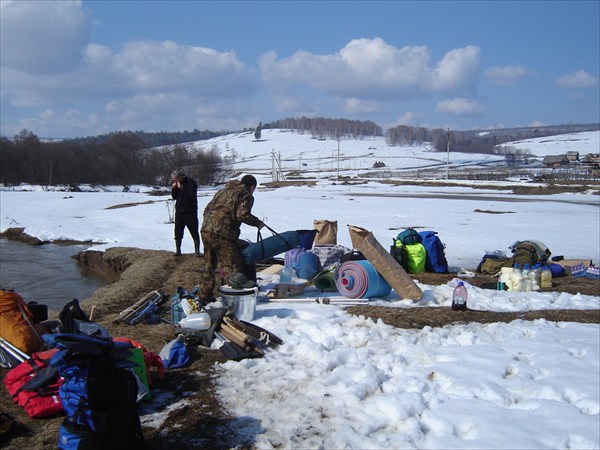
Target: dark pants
{"x":189,"y":220}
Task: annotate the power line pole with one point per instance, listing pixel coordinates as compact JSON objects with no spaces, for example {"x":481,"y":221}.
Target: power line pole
{"x":448,"y":155}
{"x":338,"y":160}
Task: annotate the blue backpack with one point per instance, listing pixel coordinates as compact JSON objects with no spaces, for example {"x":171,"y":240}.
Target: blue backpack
{"x":307,"y":266}
{"x":98,"y":393}
{"x":435,"y":260}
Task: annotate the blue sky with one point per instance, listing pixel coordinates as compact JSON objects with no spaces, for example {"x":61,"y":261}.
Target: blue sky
{"x":83,"y":68}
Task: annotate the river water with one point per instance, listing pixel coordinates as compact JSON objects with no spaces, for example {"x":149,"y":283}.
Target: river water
{"x":46,"y":273}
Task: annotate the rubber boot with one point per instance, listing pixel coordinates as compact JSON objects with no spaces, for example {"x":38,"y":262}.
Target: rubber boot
{"x":177,"y":247}
{"x":197,"y":248}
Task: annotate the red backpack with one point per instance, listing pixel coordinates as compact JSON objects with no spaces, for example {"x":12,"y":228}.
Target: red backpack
{"x":34,"y":385}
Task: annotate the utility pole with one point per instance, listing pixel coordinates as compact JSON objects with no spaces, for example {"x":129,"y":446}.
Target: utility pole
{"x":448,"y":155}
{"x":338,"y":160}
{"x":276,"y":169}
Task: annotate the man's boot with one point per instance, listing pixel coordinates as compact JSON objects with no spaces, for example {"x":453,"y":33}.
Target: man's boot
{"x":197,"y":248}
{"x":177,"y":247}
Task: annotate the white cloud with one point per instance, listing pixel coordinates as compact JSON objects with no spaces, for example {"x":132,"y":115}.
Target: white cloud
{"x":374,"y":70}
{"x":507,"y":75}
{"x":150,"y":65}
{"x":406,"y":119}
{"x":145,"y":85}
{"x":457,"y":71}
{"x":51,"y":119}
{"x":578,"y":79}
{"x":537,"y":123}
{"x":98,"y":55}
{"x":460,"y":107}
{"x":48,"y":65}
{"x":357,"y":106}
{"x":287,"y":104}
{"x":42,"y":37}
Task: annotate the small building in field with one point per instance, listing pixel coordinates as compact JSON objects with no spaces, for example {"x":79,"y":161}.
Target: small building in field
{"x":555,"y":161}
{"x":572,"y":156}
{"x":591,"y":159}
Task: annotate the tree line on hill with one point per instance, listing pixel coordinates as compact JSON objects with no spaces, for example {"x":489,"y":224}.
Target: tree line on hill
{"x":122,"y":158}
{"x":158,"y":138}
{"x":476,"y":141}
{"x":322,"y":128}
{"x":128,"y":158}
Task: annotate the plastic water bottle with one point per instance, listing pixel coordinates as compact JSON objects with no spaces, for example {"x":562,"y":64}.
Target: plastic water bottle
{"x":545,"y":277}
{"x":516,"y":279}
{"x":459,"y":297}
{"x":285,"y":276}
{"x":197,"y":321}
{"x":176,"y":310}
{"x":526,"y":282}
{"x":535,"y":277}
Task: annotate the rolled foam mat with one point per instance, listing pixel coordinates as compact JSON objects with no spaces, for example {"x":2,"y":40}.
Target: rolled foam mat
{"x":359,"y":279}
{"x":325,"y":280}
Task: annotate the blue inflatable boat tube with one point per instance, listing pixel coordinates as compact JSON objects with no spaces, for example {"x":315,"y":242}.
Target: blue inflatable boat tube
{"x":277,"y":244}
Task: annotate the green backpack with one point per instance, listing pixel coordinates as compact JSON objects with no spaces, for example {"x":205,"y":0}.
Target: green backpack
{"x":529,"y":253}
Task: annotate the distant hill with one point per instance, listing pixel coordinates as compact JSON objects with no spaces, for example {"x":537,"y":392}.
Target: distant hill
{"x":469,"y":141}
{"x":158,"y":138}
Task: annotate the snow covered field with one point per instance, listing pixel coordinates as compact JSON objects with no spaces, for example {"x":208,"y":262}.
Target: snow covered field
{"x":341,"y":381}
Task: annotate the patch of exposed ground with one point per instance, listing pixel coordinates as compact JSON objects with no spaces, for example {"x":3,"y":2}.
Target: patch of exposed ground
{"x":489,"y":211}
{"x":129,"y":205}
{"x":18,"y":234}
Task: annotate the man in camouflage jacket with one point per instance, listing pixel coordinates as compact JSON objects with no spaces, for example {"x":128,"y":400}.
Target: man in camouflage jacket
{"x":220,"y":231}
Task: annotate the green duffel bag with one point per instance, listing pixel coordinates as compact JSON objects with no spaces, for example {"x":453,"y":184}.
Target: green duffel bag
{"x":491,"y":264}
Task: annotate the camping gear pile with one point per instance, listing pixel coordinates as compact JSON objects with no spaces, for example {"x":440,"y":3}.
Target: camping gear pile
{"x":78,"y":370}
{"x":145,"y":310}
{"x":365,"y":271}
{"x":373,"y":275}
{"x":530,"y":267}
{"x":98,"y":392}
{"x":239,"y":338}
{"x":420,"y":251}
{"x":73,"y":366}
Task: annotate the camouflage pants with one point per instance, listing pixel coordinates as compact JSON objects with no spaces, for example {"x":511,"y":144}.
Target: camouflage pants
{"x":221,"y":253}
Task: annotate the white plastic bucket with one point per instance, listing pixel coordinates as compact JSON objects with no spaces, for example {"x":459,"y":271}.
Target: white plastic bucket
{"x":241,"y":301}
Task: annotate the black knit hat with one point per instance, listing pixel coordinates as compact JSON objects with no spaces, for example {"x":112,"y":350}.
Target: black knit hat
{"x":249,"y":181}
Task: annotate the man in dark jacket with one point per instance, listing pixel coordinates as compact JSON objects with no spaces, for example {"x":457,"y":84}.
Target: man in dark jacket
{"x":185,"y":193}
{"x":223,"y":217}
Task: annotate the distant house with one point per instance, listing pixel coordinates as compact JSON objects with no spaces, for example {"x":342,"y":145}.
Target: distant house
{"x":591,"y":159}
{"x":555,"y":161}
{"x":572,"y":156}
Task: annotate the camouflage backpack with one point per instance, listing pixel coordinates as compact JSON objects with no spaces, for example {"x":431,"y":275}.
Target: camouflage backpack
{"x":529,"y":253}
